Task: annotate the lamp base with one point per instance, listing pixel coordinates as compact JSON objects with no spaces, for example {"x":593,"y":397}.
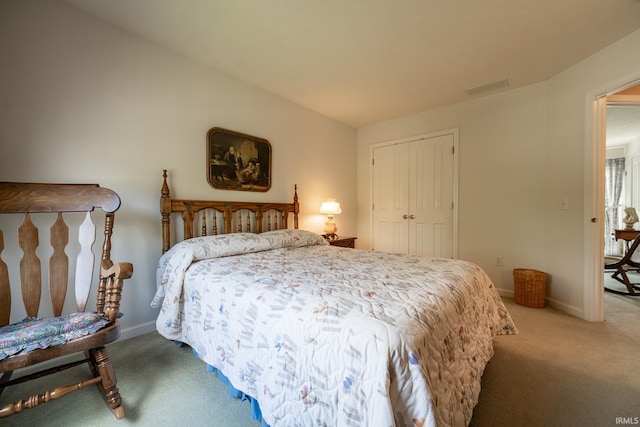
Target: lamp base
{"x":330,"y":227}
{"x":332,"y":236}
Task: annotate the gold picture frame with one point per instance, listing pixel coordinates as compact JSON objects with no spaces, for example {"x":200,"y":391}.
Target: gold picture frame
{"x":237,"y":161}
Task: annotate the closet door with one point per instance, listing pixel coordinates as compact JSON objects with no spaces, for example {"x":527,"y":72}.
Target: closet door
{"x":391,"y":198}
{"x":431,"y":197}
{"x":413,"y":197}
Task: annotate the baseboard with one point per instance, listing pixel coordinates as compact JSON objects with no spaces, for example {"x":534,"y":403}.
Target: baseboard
{"x":136,"y":330}
{"x":507,"y":293}
{"x":574,"y":311}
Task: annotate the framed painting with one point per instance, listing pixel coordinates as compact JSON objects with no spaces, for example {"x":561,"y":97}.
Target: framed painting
{"x":236,"y":161}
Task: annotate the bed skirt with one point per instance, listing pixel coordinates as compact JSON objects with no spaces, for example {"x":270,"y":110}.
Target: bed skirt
{"x":256,"y":414}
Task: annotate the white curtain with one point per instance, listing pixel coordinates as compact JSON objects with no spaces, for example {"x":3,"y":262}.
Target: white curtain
{"x":614,"y":188}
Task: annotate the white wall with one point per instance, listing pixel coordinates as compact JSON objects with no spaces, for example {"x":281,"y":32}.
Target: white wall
{"x":521,"y":152}
{"x":83,"y":101}
{"x":571,"y":96}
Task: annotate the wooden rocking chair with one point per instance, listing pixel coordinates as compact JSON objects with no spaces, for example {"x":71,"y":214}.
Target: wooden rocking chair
{"x":35,"y":340}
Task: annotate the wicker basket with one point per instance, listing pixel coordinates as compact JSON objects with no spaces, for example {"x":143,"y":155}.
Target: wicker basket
{"x":530,"y":287}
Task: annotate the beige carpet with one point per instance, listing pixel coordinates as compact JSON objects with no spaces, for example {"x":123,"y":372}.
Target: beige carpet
{"x":559,"y":371}
{"x":563,"y":371}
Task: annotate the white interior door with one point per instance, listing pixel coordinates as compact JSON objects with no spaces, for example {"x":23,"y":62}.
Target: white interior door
{"x":391,"y":198}
{"x":431,"y":197}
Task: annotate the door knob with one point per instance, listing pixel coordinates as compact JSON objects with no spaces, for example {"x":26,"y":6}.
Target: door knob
{"x":412,"y":216}
{"x":405,"y":216}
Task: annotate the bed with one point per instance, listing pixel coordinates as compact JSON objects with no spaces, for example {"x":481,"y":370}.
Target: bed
{"x":319,"y":335}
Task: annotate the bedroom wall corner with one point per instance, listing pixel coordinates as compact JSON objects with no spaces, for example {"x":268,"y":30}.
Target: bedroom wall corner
{"x":499,"y":149}
{"x":528,"y":147}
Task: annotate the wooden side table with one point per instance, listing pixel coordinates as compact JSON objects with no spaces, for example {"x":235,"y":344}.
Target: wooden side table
{"x":627,"y":236}
{"x":345,"y":242}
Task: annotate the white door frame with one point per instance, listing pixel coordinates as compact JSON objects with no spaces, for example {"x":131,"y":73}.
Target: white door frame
{"x":453,"y":132}
{"x":595,"y":146}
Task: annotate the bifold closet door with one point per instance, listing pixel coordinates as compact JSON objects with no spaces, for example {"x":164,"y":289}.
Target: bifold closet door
{"x":413,"y":190}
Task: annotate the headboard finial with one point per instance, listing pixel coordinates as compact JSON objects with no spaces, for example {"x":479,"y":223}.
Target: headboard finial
{"x":296,"y":206}
{"x":165,"y":210}
{"x":165,"y":186}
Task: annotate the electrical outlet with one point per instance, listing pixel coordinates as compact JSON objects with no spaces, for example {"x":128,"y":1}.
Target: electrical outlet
{"x":564,"y":203}
{"x":499,"y":260}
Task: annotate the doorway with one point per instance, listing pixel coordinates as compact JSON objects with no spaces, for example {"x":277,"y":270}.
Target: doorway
{"x":594,"y":195}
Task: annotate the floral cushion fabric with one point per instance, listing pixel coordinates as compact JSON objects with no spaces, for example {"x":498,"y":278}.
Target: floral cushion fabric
{"x":33,"y":333}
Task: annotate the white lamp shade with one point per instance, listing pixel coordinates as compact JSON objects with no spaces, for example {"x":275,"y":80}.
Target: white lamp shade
{"x":330,"y":207}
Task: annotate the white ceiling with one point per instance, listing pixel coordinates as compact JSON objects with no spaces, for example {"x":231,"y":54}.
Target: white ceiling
{"x":623,"y":124}
{"x":366,"y":61}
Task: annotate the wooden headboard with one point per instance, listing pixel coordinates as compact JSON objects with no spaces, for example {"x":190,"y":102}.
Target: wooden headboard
{"x":210,"y":217}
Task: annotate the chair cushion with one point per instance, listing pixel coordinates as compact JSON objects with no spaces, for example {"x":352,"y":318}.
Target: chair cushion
{"x":33,"y":333}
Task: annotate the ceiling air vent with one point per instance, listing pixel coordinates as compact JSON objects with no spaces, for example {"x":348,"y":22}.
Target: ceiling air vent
{"x":488,"y":87}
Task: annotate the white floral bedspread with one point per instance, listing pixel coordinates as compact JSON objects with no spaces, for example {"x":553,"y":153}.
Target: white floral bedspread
{"x":330,"y":336}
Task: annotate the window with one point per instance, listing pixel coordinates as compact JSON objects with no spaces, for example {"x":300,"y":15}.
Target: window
{"x":613,"y":204}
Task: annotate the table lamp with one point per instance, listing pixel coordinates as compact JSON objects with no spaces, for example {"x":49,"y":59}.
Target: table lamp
{"x":330,"y":208}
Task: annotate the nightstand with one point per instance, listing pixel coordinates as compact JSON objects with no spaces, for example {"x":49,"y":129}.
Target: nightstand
{"x":345,"y":242}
